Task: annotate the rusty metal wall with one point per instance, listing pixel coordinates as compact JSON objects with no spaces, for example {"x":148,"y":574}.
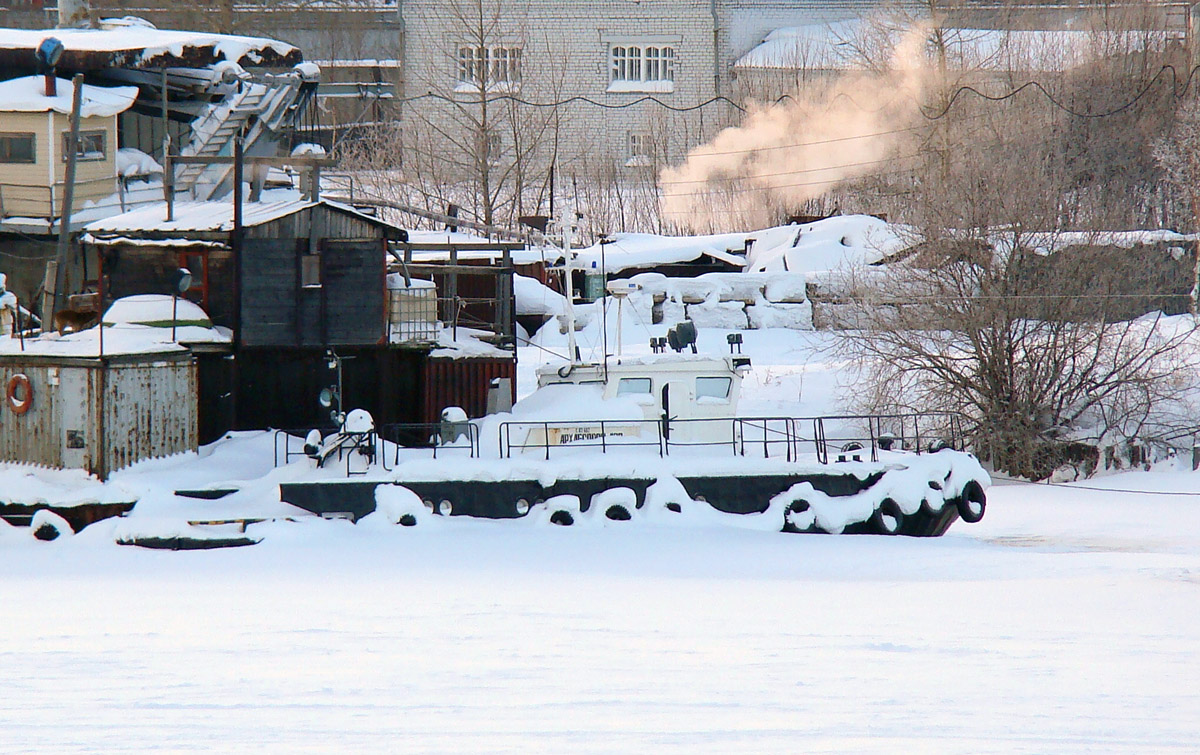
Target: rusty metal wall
{"x":97,"y":419}
{"x":462,"y":382}
{"x":35,"y":437}
{"x":148,"y":410}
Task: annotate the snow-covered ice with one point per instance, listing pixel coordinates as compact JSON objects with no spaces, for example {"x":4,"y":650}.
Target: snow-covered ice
{"x":1068,"y":620}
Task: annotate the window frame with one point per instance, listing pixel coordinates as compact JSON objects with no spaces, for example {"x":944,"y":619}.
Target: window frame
{"x":8,"y":137}
{"x":648,"y":65}
{"x":488,"y":68}
{"x":710,"y":379}
{"x":631,"y":381}
{"x":83,"y":155}
{"x":310,"y":268}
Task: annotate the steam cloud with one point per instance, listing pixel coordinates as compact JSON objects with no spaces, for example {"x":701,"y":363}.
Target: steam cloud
{"x":747,"y":171}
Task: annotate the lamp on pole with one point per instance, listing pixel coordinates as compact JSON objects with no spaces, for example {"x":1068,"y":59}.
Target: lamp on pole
{"x":183,"y":281}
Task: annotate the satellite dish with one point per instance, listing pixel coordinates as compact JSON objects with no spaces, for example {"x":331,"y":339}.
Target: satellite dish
{"x":326,"y":397}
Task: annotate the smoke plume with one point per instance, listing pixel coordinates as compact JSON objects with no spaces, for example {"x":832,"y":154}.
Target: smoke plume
{"x":784,"y":154}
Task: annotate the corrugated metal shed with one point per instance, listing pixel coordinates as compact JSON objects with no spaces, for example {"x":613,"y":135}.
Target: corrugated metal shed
{"x":464,"y":383}
{"x":97,"y":414}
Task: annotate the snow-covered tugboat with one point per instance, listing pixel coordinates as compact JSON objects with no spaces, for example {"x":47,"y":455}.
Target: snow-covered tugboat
{"x":658,"y":438}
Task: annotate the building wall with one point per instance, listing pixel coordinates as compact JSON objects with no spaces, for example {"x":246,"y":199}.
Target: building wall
{"x":566,"y":54}
{"x":36,"y":189}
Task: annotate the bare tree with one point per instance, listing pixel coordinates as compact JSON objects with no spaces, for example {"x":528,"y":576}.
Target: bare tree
{"x":492,"y":151}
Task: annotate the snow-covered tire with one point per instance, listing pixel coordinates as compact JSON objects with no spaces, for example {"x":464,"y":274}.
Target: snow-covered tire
{"x":888,"y":518}
{"x":562,"y":518}
{"x":972,"y":503}
{"x":617,"y":513}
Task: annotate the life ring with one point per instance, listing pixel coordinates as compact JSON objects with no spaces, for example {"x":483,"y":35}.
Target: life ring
{"x":15,"y":384}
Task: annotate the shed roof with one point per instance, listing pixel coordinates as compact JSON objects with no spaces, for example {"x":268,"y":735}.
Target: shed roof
{"x":28,"y":95}
{"x":210,"y":217}
{"x":133,"y":43}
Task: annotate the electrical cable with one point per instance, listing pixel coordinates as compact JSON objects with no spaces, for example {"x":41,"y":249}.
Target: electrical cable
{"x":1176,"y":91}
{"x":577,"y":98}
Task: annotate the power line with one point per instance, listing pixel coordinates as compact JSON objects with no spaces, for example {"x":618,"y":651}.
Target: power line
{"x":1176,"y":92}
{"x":577,"y":98}
{"x":797,"y":172}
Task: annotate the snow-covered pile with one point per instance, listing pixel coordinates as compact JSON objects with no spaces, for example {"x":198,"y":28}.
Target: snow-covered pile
{"x":828,"y":244}
{"x":536,"y":298}
{"x":134,"y":162}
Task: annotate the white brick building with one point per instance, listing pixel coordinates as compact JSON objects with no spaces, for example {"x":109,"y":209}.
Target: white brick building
{"x":614,"y":53}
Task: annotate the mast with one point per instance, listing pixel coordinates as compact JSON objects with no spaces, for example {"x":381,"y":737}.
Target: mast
{"x":568,"y":283}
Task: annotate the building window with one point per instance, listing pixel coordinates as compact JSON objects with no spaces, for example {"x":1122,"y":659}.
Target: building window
{"x":17,"y":148}
{"x":641,"y":150}
{"x":488,"y":68}
{"x":310,"y":268}
{"x":645,"y":68}
{"x":91,"y":145}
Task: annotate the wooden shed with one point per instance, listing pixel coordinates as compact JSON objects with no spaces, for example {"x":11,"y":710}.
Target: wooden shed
{"x":296,"y":280}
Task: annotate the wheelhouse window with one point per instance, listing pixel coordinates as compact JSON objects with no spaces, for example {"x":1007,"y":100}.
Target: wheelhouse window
{"x":488,"y":67}
{"x":633,"y":387}
{"x":18,"y":148}
{"x":92,"y":145}
{"x":649,"y":67}
{"x":713,"y":387}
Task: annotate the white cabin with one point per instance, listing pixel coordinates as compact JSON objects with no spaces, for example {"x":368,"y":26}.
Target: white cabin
{"x":680,"y":389}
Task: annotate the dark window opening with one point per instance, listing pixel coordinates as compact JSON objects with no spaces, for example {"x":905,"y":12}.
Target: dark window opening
{"x":17,"y":148}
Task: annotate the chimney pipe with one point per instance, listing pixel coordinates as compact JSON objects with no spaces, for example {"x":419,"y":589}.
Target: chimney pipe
{"x":73,"y":13}
{"x":51,"y":83}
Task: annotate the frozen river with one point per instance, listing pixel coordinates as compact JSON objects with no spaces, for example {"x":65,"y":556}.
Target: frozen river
{"x":1069,"y":620}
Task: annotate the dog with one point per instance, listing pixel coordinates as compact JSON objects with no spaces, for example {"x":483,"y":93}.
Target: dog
{"x":66,"y":321}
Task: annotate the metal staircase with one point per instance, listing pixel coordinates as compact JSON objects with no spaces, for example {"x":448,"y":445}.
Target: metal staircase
{"x":260,"y":109}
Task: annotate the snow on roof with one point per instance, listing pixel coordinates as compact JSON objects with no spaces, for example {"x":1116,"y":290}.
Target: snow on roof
{"x":133,"y":42}
{"x":153,"y":309}
{"x":824,"y":245}
{"x":138,"y":324}
{"x":198,"y":217}
{"x":829,"y":244}
{"x":830,"y":47}
{"x":28,"y":95}
{"x":816,"y":46}
{"x":470,"y":343}
{"x":647,"y":250}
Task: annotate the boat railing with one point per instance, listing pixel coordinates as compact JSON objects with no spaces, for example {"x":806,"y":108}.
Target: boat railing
{"x":602,"y":434}
{"x":398,"y":437}
{"x":443,"y":437}
{"x":847,"y":437}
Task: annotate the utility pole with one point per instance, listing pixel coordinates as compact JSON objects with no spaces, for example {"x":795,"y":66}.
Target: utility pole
{"x":64,"y":221}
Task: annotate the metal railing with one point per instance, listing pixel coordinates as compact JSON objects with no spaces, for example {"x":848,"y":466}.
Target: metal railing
{"x":366,"y":443}
{"x":851,"y":436}
{"x":435,"y":436}
{"x":404,"y":436}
